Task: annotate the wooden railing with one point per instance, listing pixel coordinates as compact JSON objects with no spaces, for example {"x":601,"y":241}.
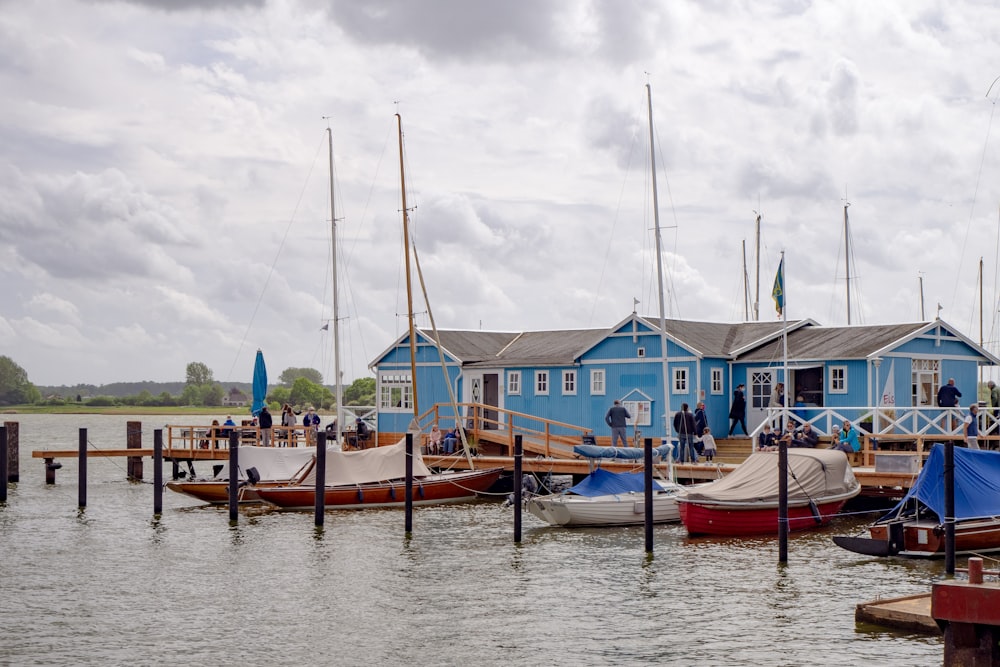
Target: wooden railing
{"x":217,"y":437}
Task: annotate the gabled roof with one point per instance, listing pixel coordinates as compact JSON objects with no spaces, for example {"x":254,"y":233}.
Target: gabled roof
{"x":720,"y":339}
{"x":851,"y":342}
{"x":527,"y":348}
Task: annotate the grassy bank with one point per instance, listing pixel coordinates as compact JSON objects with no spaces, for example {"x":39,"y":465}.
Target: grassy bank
{"x":73,"y":409}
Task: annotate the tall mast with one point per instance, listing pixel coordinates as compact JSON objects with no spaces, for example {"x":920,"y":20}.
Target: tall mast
{"x":922,"y":316}
{"x":980,"y":315}
{"x":409,"y":289}
{"x":847,"y":263}
{"x":337,"y":380}
{"x":746,"y":285}
{"x":659,"y":269}
{"x":756,"y":299}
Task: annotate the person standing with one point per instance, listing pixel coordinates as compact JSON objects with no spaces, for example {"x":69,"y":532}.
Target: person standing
{"x":684,"y":428}
{"x":994,"y":399}
{"x":311,"y":422}
{"x":947,"y":397}
{"x":708,"y":444}
{"x":971,"y":429}
{"x":265,"y":421}
{"x":700,"y":424}
{"x":777,"y":402}
{"x":617,"y":418}
{"x":288,"y":422}
{"x":738,"y":411}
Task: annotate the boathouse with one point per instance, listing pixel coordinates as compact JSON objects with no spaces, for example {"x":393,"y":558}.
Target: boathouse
{"x":884,"y":377}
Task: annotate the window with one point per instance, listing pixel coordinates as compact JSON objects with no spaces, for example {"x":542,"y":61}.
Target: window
{"x":597,"y":382}
{"x":641,"y":412}
{"x":838,"y":379}
{"x":680,"y":380}
{"x":542,"y":383}
{"x":641,"y":352}
{"x":396,"y":392}
{"x":514,"y":382}
{"x":716,"y":380}
{"x":569,"y":383}
{"x":926,"y":379}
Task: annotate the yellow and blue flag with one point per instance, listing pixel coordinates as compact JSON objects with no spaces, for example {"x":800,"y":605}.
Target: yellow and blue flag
{"x":778,"y":293}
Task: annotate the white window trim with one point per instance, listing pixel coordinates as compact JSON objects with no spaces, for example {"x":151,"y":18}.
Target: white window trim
{"x":569,"y":375}
{"x":514,"y":383}
{"x":594,"y":391}
{"x":679,"y":373}
{"x":833,"y":386}
{"x":716,"y":381}
{"x":548,"y":383}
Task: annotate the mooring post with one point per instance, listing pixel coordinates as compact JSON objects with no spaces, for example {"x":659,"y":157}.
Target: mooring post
{"x":949,"y":508}
{"x":320,"y":478}
{"x":408,"y":494}
{"x":13,"y":457}
{"x":783,"y":501}
{"x":133,"y":440}
{"x":518,"y":482}
{"x":51,"y":465}
{"x":158,"y":472}
{"x":82,"y":478}
{"x":3,"y":464}
{"x":647,"y":481}
{"x":234,"y":476}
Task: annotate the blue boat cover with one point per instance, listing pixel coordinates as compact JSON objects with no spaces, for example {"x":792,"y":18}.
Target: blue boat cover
{"x":604,"y":483}
{"x":977,"y":484}
{"x":598,"y":452}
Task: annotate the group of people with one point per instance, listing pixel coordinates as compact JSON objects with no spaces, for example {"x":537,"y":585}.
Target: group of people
{"x":443,"y":443}
{"x":845,"y":439}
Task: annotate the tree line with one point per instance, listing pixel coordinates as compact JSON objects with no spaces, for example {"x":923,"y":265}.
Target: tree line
{"x":296,"y":386}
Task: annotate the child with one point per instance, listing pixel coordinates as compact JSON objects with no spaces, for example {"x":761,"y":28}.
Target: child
{"x":708,"y":444}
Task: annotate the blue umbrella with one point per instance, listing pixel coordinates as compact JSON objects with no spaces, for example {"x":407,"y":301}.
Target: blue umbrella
{"x":259,"y":384}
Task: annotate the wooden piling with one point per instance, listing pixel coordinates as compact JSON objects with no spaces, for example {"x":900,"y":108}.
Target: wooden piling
{"x":133,"y":440}
{"x":783,"y":501}
{"x":158,"y":472}
{"x":518,"y":486}
{"x":320,"y":478}
{"x":82,"y":477}
{"x":3,"y":464}
{"x":13,"y":440}
{"x":51,"y":465}
{"x":234,"y":476}
{"x":647,"y":481}
{"x":408,"y":495}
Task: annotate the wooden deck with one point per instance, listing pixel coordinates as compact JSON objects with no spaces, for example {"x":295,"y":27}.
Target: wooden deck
{"x":911,"y":613}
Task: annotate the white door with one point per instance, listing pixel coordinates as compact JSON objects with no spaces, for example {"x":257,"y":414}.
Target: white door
{"x":759,"y":394}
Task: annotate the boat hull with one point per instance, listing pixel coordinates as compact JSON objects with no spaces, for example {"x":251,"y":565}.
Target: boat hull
{"x":926,"y":539}
{"x":749,"y":519}
{"x":430,"y":490}
{"x":624,"y":509}
{"x":217,"y":492}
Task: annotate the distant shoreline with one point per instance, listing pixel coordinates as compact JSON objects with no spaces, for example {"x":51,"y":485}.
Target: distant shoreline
{"x":120,"y":410}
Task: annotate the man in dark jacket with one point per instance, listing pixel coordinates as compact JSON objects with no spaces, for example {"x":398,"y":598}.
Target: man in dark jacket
{"x":617,"y":418}
{"x":264,"y":420}
{"x":684,"y":428}
{"x":947,"y":397}
{"x":738,"y":411}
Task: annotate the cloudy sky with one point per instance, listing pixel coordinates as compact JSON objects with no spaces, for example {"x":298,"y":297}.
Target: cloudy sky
{"x":164,"y":190}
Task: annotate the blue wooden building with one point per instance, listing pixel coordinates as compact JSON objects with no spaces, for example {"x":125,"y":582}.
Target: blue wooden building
{"x":573,"y":376}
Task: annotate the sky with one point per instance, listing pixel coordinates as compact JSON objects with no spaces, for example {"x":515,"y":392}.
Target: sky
{"x":164,"y":176}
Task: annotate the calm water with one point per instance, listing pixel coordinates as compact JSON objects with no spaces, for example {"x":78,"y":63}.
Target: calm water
{"x":112,"y":585}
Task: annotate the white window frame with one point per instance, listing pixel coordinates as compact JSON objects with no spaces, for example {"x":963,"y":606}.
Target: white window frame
{"x":640,"y":352}
{"x":395,"y":388}
{"x":838,"y":385}
{"x":598,"y":382}
{"x":541,"y":383}
{"x":679,"y":382}
{"x":569,"y":382}
{"x":514,"y":383}
{"x":716,"y":381}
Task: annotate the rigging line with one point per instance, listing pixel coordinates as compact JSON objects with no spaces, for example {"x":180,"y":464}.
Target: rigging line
{"x":277,"y":254}
{"x":975,"y":192}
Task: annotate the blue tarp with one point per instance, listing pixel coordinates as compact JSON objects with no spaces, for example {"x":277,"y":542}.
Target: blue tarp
{"x":598,"y":452}
{"x":259,"y":384}
{"x":604,"y":483}
{"x":977,"y":485}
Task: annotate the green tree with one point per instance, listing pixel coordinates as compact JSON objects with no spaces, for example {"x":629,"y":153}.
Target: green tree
{"x":361,"y":392}
{"x":14,"y":385}
{"x":290,"y":375}
{"x":212,"y":394}
{"x":198,"y":373}
{"x":305,"y":392}
{"x":280,"y":395}
{"x":191,"y":395}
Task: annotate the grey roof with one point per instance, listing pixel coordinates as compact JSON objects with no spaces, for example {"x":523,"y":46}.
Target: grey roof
{"x":718,"y":339}
{"x":853,"y":342}
{"x":491,"y":348}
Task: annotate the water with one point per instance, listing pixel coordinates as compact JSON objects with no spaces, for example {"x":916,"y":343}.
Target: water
{"x":112,"y":585}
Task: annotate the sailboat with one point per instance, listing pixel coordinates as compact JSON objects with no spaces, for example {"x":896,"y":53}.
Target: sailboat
{"x":618,"y":499}
{"x":376,"y":477}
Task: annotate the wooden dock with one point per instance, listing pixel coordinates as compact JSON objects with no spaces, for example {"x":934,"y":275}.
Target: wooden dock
{"x":911,"y":613}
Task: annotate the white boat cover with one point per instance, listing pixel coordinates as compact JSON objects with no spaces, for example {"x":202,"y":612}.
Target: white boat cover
{"x":813,"y":474}
{"x":368,"y":465}
{"x":272,"y":463}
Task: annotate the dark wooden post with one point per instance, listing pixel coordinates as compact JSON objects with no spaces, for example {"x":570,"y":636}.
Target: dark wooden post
{"x":82,"y":478}
{"x":408,"y":495}
{"x":518,"y":486}
{"x":13,"y":451}
{"x":3,"y":464}
{"x":158,"y":472}
{"x":783,"y":501}
{"x":234,"y":476}
{"x":51,"y":465}
{"x":320,"y":477}
{"x":949,"y":508}
{"x":133,"y":440}
{"x":647,"y":480}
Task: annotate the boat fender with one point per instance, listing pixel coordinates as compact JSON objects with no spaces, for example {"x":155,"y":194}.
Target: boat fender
{"x":392,"y":492}
{"x":420,"y":490}
{"x":361,"y":496}
{"x":815,"y":512}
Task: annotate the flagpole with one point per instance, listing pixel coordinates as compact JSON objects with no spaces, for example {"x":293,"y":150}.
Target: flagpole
{"x":784,"y":337}
{"x":783,"y":444}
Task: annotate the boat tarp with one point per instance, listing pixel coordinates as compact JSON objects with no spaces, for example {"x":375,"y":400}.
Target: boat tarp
{"x":272,"y":463}
{"x":598,"y":452}
{"x":813,"y":474}
{"x":605,"y":483}
{"x":977,"y":484}
{"x":369,"y":465}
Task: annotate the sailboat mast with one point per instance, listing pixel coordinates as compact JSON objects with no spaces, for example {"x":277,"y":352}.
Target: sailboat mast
{"x":756,"y":299}
{"x":847,"y":263}
{"x":409,"y":288}
{"x":746,"y":285}
{"x":921,"y":279}
{"x":659,"y":269}
{"x":337,"y":379}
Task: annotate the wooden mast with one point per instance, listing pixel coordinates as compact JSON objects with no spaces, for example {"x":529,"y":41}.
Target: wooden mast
{"x":659,"y":270}
{"x":337,"y":380}
{"x":409,"y":288}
